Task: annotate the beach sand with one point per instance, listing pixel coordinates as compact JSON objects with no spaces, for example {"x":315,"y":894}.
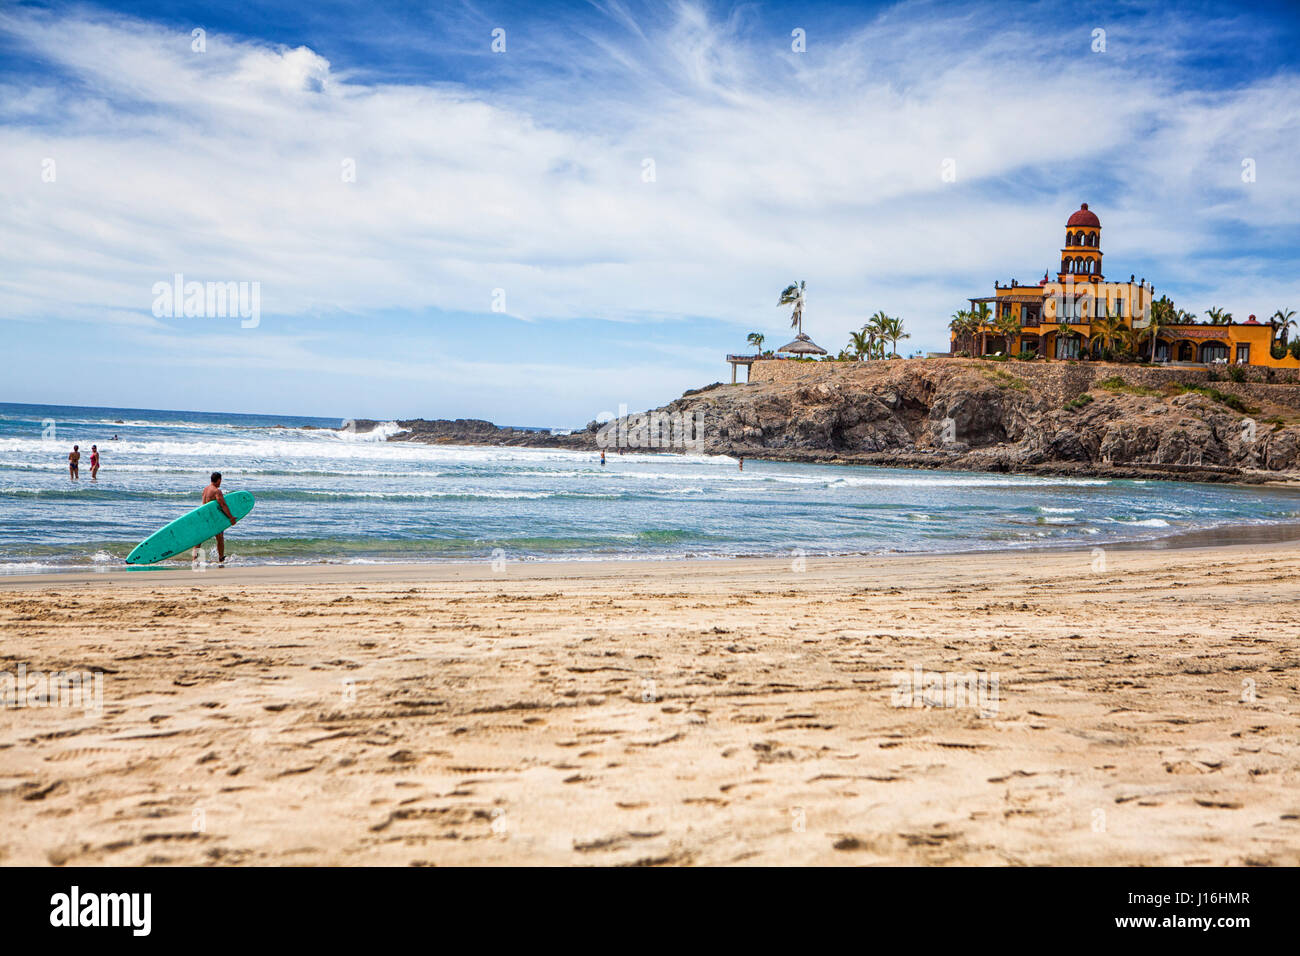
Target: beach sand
{"x":712,"y":712}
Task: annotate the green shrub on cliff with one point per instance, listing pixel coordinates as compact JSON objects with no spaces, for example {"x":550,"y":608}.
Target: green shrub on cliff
{"x":1116,"y":383}
{"x":1223,"y":398}
{"x":1006,"y":380}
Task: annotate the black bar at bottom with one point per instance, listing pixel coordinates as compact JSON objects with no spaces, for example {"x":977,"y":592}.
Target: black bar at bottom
{"x":330,"y":906}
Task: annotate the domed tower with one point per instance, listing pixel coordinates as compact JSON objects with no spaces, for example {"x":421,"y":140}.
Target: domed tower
{"x":1081,"y":257}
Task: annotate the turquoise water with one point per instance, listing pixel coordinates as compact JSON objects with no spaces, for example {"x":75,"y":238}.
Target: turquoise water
{"x":327,"y":495}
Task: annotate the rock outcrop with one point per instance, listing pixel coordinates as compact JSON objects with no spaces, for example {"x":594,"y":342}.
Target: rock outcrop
{"x":962,"y":414}
{"x":984,"y":416}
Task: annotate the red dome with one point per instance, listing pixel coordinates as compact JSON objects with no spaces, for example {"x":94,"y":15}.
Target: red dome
{"x":1084,"y":218}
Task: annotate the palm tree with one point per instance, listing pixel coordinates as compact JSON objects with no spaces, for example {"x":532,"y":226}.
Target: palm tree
{"x":794,"y":295}
{"x":963,"y":330}
{"x":892,"y":331}
{"x":1151,"y":331}
{"x":1008,"y":326}
{"x":1218,"y":316}
{"x":860,"y":344}
{"x":982,"y":316}
{"x":756,"y":339}
{"x":1127,"y":340}
{"x":1063,"y":330}
{"x":1106,"y":331}
{"x":875,"y":329}
{"x":1163,"y":309}
{"x":1283,"y":323}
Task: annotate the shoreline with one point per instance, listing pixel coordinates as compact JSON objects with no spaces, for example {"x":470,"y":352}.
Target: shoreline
{"x":1229,"y":537}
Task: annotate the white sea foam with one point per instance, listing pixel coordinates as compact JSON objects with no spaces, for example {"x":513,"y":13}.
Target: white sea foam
{"x":381,"y":432}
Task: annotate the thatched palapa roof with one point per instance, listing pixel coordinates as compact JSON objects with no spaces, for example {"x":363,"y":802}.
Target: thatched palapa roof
{"x":802,"y":345}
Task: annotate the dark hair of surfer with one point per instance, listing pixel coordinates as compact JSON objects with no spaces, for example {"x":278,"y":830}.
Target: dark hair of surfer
{"x":216,"y":477}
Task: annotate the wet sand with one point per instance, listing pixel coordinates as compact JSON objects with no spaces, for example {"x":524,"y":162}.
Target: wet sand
{"x":713,"y":712}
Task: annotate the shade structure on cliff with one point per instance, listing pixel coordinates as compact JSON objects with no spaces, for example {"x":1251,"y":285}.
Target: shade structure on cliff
{"x":802,"y":345}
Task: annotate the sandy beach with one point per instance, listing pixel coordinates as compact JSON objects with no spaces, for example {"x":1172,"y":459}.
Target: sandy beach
{"x":1142,"y":709}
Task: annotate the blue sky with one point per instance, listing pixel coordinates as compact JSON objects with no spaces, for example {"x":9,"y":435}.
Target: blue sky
{"x":524,"y":171}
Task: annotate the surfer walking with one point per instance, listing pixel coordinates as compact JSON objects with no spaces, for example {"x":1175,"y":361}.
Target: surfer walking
{"x":74,"y":462}
{"x":213,"y":493}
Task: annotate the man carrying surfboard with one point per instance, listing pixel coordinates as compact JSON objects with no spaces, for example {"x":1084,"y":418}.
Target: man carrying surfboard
{"x":217,"y":514}
{"x":213,"y":493}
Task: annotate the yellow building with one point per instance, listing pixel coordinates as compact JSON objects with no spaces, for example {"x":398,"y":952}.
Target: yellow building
{"x":1066,"y":318}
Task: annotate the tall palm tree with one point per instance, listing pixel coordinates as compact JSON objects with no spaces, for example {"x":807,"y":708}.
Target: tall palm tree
{"x":1283,"y":323}
{"x":794,"y":295}
{"x":1218,"y":316}
{"x":892,"y":331}
{"x":983,"y":316}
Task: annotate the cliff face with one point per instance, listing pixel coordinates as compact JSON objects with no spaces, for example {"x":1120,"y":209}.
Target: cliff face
{"x":1005,"y":416}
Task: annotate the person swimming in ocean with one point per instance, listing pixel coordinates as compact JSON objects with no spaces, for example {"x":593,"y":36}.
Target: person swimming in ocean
{"x":74,"y":462}
{"x":94,"y":462}
{"x":213,"y":493}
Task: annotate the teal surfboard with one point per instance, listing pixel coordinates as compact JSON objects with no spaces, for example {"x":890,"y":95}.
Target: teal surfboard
{"x":204,"y":522}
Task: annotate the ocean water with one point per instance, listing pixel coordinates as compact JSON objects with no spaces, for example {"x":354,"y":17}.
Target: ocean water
{"x":324,"y":495}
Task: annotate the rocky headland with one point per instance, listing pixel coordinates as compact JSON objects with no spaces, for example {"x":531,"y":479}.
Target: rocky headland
{"x":1033,"y":417}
